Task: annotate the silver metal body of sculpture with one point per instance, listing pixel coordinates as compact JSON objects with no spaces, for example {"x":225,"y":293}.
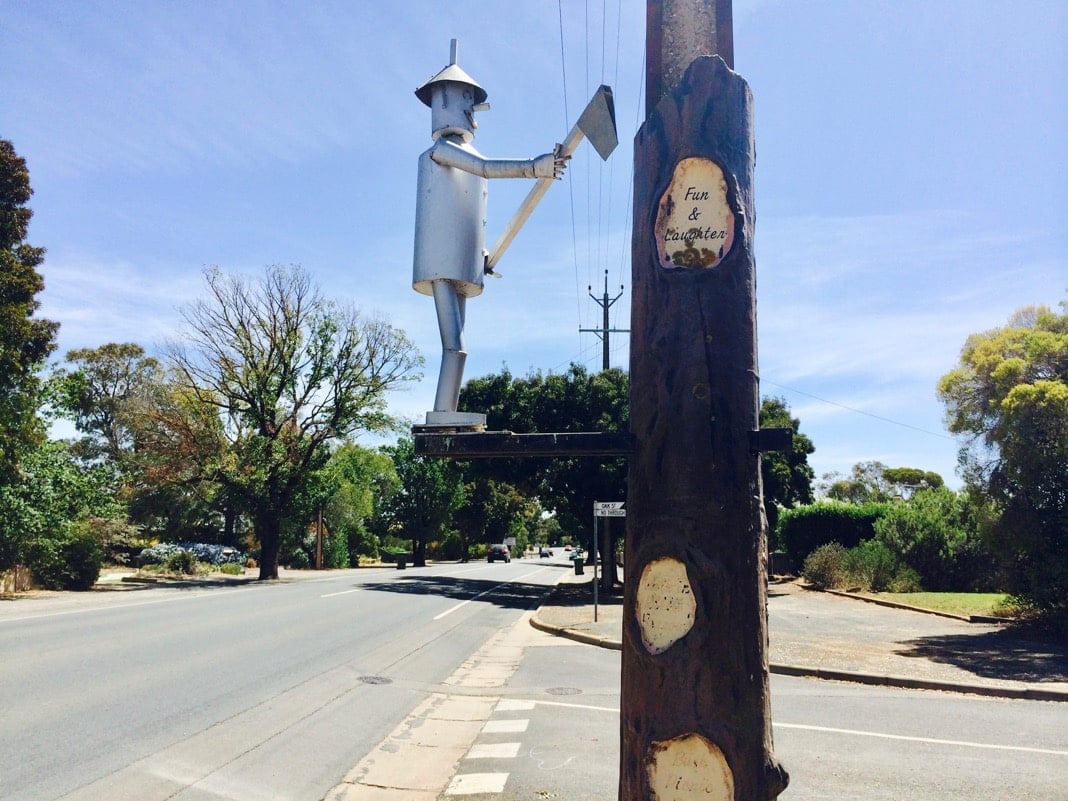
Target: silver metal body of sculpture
{"x":450,"y":221}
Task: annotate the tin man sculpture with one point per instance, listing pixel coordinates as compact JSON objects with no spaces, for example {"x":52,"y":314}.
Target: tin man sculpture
{"x":450,"y":258}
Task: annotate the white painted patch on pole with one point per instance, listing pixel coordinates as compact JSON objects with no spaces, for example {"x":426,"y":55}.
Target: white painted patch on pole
{"x":666,"y":606}
{"x":689,"y":767}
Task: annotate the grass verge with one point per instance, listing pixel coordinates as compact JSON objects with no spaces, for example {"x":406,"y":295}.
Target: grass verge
{"x":956,"y":603}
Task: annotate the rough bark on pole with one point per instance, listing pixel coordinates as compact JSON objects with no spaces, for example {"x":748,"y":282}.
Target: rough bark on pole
{"x":676,"y":31}
{"x":695,"y":717}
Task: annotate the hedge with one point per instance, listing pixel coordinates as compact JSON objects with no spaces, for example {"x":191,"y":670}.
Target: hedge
{"x":803,"y":529}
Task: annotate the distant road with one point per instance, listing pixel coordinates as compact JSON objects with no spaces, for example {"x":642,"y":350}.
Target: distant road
{"x":263,"y":691}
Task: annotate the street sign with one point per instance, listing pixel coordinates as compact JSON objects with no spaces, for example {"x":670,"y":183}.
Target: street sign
{"x":609,"y":509}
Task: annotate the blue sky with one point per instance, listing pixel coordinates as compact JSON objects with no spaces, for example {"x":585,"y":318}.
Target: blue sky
{"x":911,"y":179}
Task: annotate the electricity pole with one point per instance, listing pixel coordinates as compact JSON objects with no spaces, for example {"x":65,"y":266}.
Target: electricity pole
{"x":695,"y":717}
{"x":605,"y":303}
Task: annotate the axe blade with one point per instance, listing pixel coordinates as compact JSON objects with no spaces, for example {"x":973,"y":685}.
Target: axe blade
{"x":598,"y":122}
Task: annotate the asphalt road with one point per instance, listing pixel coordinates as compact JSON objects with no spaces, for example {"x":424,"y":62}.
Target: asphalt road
{"x":282,"y":691}
{"x":837,"y":740}
{"x":258,"y":691}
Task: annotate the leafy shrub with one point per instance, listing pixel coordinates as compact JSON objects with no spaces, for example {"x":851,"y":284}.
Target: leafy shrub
{"x":181,"y":561}
{"x":336,"y":551}
{"x":803,"y":529}
{"x":231,"y":569}
{"x":872,"y":566}
{"x":83,"y":554}
{"x":69,"y":563}
{"x":825,"y":566}
{"x":297,"y":560}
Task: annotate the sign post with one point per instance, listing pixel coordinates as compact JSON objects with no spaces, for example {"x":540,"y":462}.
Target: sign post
{"x":695,"y":715}
{"x":602,"y":509}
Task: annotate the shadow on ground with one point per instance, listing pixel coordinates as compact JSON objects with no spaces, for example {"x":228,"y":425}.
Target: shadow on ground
{"x":1006,"y":654}
{"x":581,"y":594}
{"x":510,"y":595}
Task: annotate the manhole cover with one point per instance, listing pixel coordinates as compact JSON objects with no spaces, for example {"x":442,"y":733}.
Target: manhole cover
{"x":563,"y":691}
{"x":375,"y":680}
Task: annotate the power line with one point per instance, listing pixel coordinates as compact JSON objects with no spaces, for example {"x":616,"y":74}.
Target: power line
{"x":858,"y":411}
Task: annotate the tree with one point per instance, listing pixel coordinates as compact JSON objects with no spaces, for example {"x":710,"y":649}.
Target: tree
{"x":39,"y":511}
{"x":171,"y":477}
{"x":787,"y":476}
{"x":99,"y":391}
{"x":1008,"y":397}
{"x":359,"y":482}
{"x":288,"y":373}
{"x":25,"y":341}
{"x":574,"y":401}
{"x":874,"y":482}
{"x":494,"y":511}
{"x":430,"y":491}
{"x":934,"y":533}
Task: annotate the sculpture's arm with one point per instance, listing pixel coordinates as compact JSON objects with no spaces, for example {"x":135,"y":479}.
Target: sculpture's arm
{"x":548,"y":165}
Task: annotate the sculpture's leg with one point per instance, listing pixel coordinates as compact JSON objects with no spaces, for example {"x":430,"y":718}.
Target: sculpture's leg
{"x":450,"y":306}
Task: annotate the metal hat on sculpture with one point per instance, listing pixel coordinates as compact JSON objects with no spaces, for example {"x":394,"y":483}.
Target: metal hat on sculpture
{"x":451,"y":73}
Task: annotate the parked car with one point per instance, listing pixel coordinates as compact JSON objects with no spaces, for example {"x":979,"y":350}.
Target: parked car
{"x":545,"y":553}
{"x":496,"y":552}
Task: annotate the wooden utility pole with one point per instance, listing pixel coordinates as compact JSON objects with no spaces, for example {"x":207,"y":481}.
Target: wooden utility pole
{"x":695,"y":717}
{"x":605,"y":302}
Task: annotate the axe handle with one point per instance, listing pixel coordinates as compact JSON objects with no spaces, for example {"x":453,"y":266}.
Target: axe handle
{"x":574,"y":138}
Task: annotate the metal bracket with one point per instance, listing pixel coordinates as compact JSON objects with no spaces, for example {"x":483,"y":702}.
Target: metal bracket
{"x":505,"y":444}
{"x":771,"y":439}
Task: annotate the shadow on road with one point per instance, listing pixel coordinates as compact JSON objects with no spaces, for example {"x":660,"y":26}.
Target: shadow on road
{"x":995,"y":655}
{"x":510,"y":595}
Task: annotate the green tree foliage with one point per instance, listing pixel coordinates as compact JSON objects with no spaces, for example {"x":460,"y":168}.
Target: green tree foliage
{"x":787,"y":476}
{"x":494,"y":511}
{"x":1008,"y":397}
{"x":875,"y":482}
{"x":25,"y":341}
{"x":288,"y":373}
{"x":430,"y":491}
{"x":935,"y":534}
{"x":101,"y":390}
{"x":47,"y":517}
{"x":574,"y":401}
{"x":358,"y":481}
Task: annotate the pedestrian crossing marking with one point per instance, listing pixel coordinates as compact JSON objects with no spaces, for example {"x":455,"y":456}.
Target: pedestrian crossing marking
{"x":494,"y":751}
{"x":512,"y":726}
{"x":475,"y":783}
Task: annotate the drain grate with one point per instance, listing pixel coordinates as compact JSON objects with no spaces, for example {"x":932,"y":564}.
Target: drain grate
{"x":563,"y":691}
{"x":375,"y":680}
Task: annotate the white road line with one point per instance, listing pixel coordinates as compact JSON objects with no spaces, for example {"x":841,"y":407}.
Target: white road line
{"x":932,"y":740}
{"x":462,"y":604}
{"x":343,"y":592}
{"x":469,"y":600}
{"x":613,"y":709}
{"x":854,"y":732}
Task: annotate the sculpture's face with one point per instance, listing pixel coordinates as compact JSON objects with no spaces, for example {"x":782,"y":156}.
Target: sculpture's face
{"x":452,"y":110}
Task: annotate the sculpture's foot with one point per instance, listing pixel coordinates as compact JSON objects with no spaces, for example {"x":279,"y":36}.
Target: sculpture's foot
{"x":455,"y":421}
